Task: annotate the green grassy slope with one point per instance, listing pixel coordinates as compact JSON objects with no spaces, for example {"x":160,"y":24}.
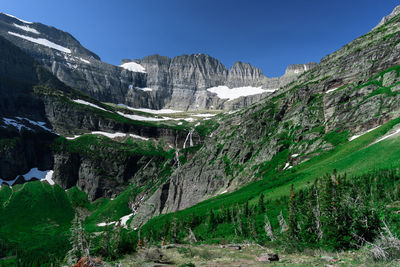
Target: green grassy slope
{"x":354,"y":158}
{"x":35,"y":219}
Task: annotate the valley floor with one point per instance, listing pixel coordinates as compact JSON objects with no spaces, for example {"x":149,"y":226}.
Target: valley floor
{"x":248,"y":255}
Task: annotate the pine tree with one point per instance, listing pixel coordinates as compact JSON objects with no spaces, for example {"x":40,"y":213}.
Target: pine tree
{"x":268,"y":228}
{"x":78,"y":240}
{"x":212,"y":222}
{"x":261,"y":205}
{"x":292,"y":220}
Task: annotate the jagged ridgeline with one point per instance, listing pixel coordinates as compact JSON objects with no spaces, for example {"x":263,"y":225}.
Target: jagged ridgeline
{"x":187,"y":82}
{"x":314,"y":164}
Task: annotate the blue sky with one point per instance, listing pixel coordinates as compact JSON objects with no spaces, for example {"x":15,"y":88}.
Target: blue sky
{"x":268,"y":34}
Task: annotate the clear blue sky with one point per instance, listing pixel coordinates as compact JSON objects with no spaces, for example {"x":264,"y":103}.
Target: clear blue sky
{"x":269,"y":34}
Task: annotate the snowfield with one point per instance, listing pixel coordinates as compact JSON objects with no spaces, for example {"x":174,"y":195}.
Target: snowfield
{"x":26,"y":28}
{"x":83,"y":102}
{"x":133,"y":66}
{"x":224,"y":92}
{"x":43,"y":42}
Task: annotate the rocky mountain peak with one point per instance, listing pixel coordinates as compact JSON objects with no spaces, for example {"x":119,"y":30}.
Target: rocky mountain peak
{"x":127,"y":60}
{"x":244,"y":74}
{"x":395,"y":12}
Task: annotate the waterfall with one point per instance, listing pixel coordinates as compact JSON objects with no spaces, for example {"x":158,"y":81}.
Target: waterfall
{"x":191,"y":140}
{"x":177,"y":157}
{"x":189,"y":137}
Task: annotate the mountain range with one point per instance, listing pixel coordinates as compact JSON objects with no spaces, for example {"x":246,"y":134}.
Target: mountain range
{"x":155,"y":82}
{"x":185,"y":150}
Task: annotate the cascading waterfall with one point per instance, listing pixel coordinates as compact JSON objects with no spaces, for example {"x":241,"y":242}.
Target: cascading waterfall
{"x":189,"y":137}
{"x":177,"y":157}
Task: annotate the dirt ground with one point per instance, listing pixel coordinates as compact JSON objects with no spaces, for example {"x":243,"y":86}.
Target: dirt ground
{"x":247,"y":255}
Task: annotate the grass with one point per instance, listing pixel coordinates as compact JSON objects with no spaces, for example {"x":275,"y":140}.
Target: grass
{"x":112,"y":210}
{"x":98,"y":146}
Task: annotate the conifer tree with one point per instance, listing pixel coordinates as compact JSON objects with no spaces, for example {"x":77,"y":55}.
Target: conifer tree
{"x":292,"y":220}
{"x":261,"y":205}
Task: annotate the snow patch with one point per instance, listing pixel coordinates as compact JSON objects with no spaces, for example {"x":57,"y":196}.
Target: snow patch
{"x":133,"y":66}
{"x":73,"y":137}
{"x":138,"y":137}
{"x":331,"y":90}
{"x":43,"y":42}
{"x":358,"y":135}
{"x":224,"y":92}
{"x":388,"y":136}
{"x":24,"y":21}
{"x":32,"y":173}
{"x":104,"y":224}
{"x":295,"y":155}
{"x":223,"y":192}
{"x":205,"y":115}
{"x":49,"y":177}
{"x":14,"y":123}
{"x":110,"y":135}
{"x":145,"y":89}
{"x":287,"y":166}
{"x":124,"y":220}
{"x":84,"y":60}
{"x":26,"y":28}
{"x":83,"y":102}
{"x":17,"y":123}
{"x":152,"y":111}
{"x":141,"y":118}
{"x":40,"y":124}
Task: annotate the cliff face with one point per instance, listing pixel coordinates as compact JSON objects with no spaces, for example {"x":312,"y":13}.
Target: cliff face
{"x":182,"y":82}
{"x":244,"y":74}
{"x":35,"y":108}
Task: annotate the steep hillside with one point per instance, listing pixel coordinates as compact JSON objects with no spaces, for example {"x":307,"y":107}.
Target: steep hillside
{"x":351,"y":91}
